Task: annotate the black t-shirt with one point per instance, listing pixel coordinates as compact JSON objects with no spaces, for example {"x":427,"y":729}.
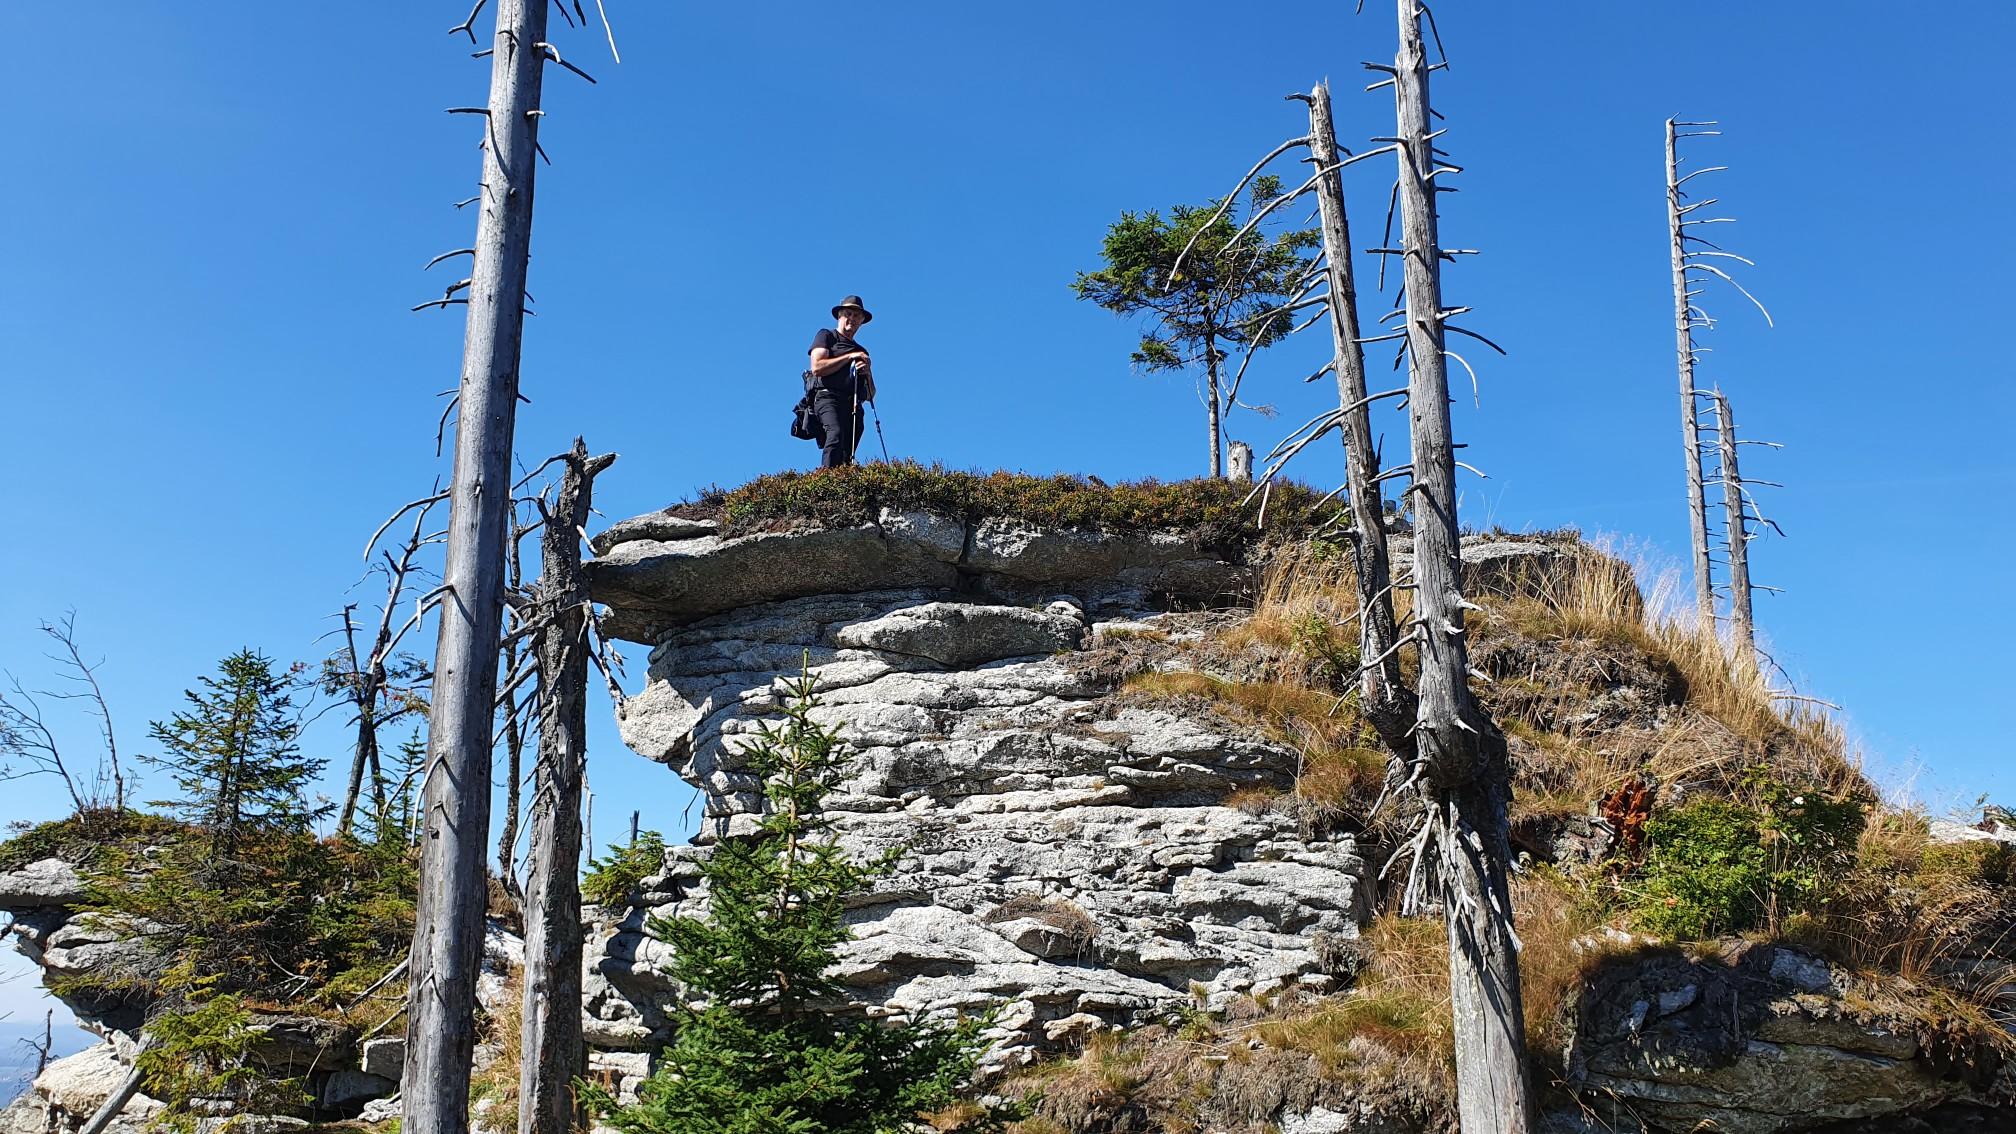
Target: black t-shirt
{"x":836,"y":344}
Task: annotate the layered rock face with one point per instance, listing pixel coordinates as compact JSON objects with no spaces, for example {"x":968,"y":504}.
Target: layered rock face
{"x":1068,"y":853}
{"x":1766,"y":1039}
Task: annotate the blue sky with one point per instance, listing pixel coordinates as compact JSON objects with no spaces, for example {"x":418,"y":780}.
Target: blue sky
{"x":215,"y":216}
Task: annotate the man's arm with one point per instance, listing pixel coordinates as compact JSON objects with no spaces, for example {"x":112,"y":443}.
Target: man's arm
{"x":825,"y":362}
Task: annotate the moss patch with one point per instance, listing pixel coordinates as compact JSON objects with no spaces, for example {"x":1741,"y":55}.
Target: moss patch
{"x":1213,"y":510}
{"x":88,"y":839}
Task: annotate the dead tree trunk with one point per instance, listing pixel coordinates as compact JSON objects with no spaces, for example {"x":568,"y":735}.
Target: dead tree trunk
{"x":1690,"y":428}
{"x":513,"y":730}
{"x":1742,"y":627}
{"x":1461,"y":756}
{"x":1692,"y":267}
{"x":1387,"y":702}
{"x":1211,"y":407}
{"x":47,"y":1044}
{"x":553,"y":1054}
{"x":455,"y":809}
{"x":369,"y":676}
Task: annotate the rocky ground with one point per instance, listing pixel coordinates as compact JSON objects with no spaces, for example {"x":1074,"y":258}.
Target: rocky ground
{"x":1072,"y":854}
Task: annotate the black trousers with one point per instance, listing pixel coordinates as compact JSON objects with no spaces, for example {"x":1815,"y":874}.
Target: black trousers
{"x":840,"y":425}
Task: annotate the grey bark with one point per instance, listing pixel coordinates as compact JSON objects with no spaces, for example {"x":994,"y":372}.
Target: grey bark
{"x":367,"y":680}
{"x":1387,"y":702}
{"x":1690,"y":418}
{"x":1212,"y":410}
{"x":553,"y":1054}
{"x":48,"y":1043}
{"x":514,"y":737}
{"x":455,"y":801}
{"x":1461,"y":754}
{"x":1239,"y":462}
{"x":1742,"y":627}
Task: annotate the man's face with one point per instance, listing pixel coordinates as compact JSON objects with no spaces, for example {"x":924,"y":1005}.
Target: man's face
{"x":850,"y":321}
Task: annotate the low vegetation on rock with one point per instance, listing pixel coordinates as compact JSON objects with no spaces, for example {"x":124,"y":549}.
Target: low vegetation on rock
{"x":1665,"y":800}
{"x":238,"y":912}
{"x":1214,"y":510}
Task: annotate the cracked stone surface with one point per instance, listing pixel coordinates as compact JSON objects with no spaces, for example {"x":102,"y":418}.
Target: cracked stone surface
{"x":656,"y":573}
{"x":1760,"y":1040}
{"x":1001,"y":769}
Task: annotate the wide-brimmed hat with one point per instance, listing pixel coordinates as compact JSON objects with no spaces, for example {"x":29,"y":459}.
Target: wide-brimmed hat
{"x":854,"y":301}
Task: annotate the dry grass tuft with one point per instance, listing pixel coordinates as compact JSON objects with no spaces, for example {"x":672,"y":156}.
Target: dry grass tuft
{"x":1066,"y":917}
{"x":1604,"y":632}
{"x":493,"y":1091}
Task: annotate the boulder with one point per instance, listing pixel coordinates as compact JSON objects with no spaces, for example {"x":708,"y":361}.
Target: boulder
{"x":654,"y":578}
{"x":661,"y":527}
{"x":384,"y":1057}
{"x":1948,"y":831}
{"x":348,"y":1088}
{"x":70,"y":1090}
{"x":1760,"y":1040}
{"x":295,"y":1044}
{"x":651,"y":585}
{"x":44,"y":883}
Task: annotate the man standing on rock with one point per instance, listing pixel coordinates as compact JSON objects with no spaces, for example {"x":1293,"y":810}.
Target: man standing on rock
{"x":840,"y":380}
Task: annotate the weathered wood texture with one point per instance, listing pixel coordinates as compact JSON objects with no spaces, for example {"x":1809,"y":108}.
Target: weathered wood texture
{"x":369,"y":679}
{"x":1460,"y":752}
{"x":1387,"y":701}
{"x":1742,"y":627}
{"x":513,"y":703}
{"x":1690,"y":416}
{"x":1213,"y":407}
{"x":455,"y":801}
{"x":553,"y":1055}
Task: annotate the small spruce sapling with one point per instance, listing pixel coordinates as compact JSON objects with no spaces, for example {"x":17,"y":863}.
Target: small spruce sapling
{"x":769,"y":1050}
{"x":234,"y":754}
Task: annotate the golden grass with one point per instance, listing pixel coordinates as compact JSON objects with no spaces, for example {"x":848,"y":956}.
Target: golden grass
{"x":495,"y":1087}
{"x":1598,"y":684}
{"x":1341,"y":769}
{"x":1597,"y":600}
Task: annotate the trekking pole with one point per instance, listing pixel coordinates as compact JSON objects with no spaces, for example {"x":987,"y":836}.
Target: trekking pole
{"x":883,"y":441}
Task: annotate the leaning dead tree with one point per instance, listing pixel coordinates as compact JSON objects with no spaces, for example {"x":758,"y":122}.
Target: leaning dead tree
{"x":1383,"y":694}
{"x":1460,"y":766}
{"x":553,"y":1055}
{"x":514,"y":708}
{"x":1736,"y":534}
{"x":1743,"y":522}
{"x":455,"y":798}
{"x":1330,"y":288}
{"x":1451,"y":759}
{"x":381,"y":685}
{"x":1692,"y":257}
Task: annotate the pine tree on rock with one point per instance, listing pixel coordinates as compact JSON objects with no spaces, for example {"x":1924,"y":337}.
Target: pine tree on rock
{"x":770,"y":1052}
{"x":234,"y":754}
{"x":1210,"y":284}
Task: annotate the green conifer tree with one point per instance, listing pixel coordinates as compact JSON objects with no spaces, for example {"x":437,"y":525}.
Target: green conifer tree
{"x":1236,"y":288}
{"x":234,"y":754}
{"x":771,"y":1052}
